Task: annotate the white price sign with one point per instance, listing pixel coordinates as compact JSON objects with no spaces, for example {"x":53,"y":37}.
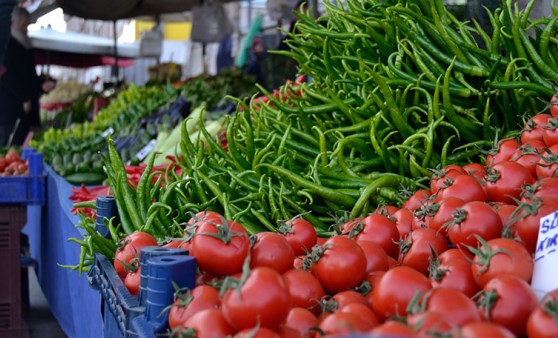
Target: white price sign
{"x":545,"y":273}
{"x":146,"y":150}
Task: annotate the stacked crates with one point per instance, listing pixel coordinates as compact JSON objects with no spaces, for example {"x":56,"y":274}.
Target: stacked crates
{"x":15,"y":194}
{"x":12,"y":219}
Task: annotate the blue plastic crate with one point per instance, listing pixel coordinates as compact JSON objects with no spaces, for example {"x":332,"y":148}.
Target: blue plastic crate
{"x":118,"y":305}
{"x":28,"y":190}
{"x":123,"y":315}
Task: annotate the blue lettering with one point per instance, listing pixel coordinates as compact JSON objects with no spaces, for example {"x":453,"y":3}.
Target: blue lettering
{"x":539,"y":258}
{"x":545,"y":226}
{"x":540,"y":248}
{"x":552,"y":242}
{"x":554,"y":222}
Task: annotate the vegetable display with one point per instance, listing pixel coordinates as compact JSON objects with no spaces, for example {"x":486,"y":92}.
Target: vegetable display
{"x":393,"y":191}
{"x":347,"y":142}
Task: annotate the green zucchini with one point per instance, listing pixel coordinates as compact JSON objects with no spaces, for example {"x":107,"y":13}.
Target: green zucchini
{"x":85,"y":178}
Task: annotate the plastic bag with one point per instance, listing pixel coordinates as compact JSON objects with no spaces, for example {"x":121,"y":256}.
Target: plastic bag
{"x":210,"y":23}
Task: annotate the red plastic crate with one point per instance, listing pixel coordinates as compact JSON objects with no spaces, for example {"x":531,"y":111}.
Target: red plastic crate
{"x":12,"y":219}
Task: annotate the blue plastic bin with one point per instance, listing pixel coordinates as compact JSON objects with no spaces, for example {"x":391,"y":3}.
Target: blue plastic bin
{"x":123,"y":315}
{"x":119,"y":307}
{"x":28,"y":190}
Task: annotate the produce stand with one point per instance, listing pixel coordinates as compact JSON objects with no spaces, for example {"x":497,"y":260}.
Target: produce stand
{"x":318,"y":198}
{"x":72,"y":301}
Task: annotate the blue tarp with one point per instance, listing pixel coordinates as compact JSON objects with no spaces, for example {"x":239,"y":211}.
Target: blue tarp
{"x":73,"y":302}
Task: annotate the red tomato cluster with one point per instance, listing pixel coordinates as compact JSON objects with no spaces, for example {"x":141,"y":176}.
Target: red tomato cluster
{"x":12,"y":164}
{"x":454,"y":260}
{"x":286,"y":285}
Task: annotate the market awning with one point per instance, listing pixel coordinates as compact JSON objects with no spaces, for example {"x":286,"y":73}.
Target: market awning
{"x":121,"y":9}
{"x":79,"y":50}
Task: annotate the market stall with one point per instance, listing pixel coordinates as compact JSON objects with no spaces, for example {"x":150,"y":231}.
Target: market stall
{"x":72,"y":301}
{"x":409,"y":172}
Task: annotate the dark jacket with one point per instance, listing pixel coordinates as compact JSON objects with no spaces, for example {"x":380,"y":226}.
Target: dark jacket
{"x":19,"y":84}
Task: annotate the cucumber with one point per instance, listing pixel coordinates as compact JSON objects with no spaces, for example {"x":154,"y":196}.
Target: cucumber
{"x":85,"y":178}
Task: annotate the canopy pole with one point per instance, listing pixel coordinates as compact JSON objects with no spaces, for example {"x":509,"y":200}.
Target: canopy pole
{"x":115,"y":68}
{"x":315,"y":8}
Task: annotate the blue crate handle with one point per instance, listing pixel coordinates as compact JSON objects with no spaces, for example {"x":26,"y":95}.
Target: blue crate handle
{"x":162,"y":271}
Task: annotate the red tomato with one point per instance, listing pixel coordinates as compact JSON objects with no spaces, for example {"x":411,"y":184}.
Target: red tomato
{"x":342,"y":265}
{"x":12,"y":156}
{"x":454,"y":273}
{"x":376,"y":257}
{"x":545,"y":187}
{"x":128,"y":251}
{"x":416,"y":200}
{"x":397,"y":287}
{"x":554,"y":105}
{"x":343,"y":323}
{"x":455,"y":254}
{"x":386,"y":210}
{"x":529,"y":219}
{"x":443,"y":213}
{"x":132,"y":281}
{"x":464,"y":187}
{"x":186,"y":305}
{"x":305,"y":289}
{"x":528,"y":157}
{"x":542,"y":322}
{"x":508,"y":300}
{"x":300,"y":234}
{"x":288,"y":332}
{"x":417,"y":251}
{"x":501,"y":256}
{"x":484,"y":329}
{"x":393,"y":328}
{"x":363,"y":311}
{"x":257,"y":332}
{"x":272,"y":250}
{"x":344,"y":298}
{"x":302,"y":320}
{"x":210,"y":323}
{"x":504,"y":181}
{"x":505,"y":212}
{"x":442,"y":178}
{"x":375,"y":228}
{"x":373,"y":279}
{"x":534,"y":128}
{"x":503,"y":151}
{"x":404,"y":220}
{"x":178,"y":243}
{"x":3,"y":164}
{"x":548,"y":162}
{"x":206,"y":216}
{"x":223,"y":255}
{"x":263,"y":298}
{"x":457,"y":307}
{"x":474,"y":219}
{"x":430,"y":324}
{"x":476,"y":170}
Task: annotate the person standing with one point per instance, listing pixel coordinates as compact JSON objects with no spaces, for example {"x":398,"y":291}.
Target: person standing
{"x":6,"y":8}
{"x":20,"y":87}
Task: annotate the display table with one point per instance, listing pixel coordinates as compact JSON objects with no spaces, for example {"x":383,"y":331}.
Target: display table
{"x":72,"y":301}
